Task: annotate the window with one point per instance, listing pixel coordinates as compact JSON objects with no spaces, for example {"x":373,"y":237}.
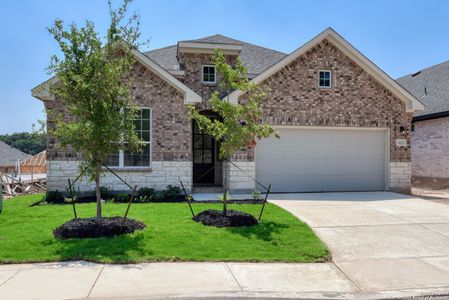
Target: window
{"x":209,"y":74}
{"x":142,"y":126}
{"x":325,"y":79}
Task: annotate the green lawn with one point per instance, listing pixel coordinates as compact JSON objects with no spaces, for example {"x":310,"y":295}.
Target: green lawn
{"x":171,"y":235}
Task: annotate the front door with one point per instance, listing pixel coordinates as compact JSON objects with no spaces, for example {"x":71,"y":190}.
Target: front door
{"x":203,"y":157}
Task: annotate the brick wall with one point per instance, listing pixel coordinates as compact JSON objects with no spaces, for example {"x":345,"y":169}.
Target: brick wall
{"x":172,"y":130}
{"x":193,"y":63}
{"x":355,"y":100}
{"x":171,"y":133}
{"x":430,"y":154}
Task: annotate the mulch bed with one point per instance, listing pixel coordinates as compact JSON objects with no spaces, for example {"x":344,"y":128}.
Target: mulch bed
{"x":93,"y":228}
{"x":233,"y":218}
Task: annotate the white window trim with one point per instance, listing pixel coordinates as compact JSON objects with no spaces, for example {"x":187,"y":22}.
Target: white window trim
{"x":202,"y":74}
{"x":121,"y":155}
{"x":330,"y":79}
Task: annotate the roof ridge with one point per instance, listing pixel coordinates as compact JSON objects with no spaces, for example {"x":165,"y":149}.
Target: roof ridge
{"x":165,"y":47}
{"x":220,"y":35}
{"x":425,"y":69}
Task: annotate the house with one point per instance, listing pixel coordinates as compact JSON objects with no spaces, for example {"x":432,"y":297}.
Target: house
{"x":9,"y":156}
{"x":430,"y":127}
{"x":344,"y":124}
{"x":36,"y":164}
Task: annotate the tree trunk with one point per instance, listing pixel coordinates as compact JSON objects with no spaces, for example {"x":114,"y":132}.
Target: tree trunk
{"x":225,"y":186}
{"x":97,"y":187}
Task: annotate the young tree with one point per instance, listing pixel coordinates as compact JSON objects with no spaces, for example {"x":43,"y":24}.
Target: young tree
{"x":239,"y":124}
{"x":94,"y":89}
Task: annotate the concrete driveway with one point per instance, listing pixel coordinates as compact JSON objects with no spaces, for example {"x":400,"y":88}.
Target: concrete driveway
{"x":381,"y":241}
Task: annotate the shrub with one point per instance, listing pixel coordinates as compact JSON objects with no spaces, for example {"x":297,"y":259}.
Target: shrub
{"x":144,"y":194}
{"x":160,"y":195}
{"x":105,"y":193}
{"x":172,"y":191}
{"x":54,"y":197}
{"x":122,"y":198}
{"x":256,"y":195}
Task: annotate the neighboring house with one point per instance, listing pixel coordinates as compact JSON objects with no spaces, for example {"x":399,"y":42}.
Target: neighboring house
{"x":36,"y":164}
{"x":430,"y":127}
{"x":9,"y":157}
{"x":344,"y":124}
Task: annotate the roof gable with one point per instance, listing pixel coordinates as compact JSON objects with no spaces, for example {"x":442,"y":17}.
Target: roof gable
{"x":43,"y":92}
{"x":412,"y":104}
{"x":255,"y":58}
{"x":9,"y":155}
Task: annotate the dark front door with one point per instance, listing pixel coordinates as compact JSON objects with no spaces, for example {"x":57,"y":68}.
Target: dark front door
{"x":203,"y":157}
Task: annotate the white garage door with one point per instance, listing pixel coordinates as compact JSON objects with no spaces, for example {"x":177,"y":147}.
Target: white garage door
{"x":315,"y":160}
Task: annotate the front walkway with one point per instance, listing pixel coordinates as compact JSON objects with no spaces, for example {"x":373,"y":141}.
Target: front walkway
{"x":384,"y":245}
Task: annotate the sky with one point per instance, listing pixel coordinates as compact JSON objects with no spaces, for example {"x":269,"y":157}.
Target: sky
{"x":401,"y":37}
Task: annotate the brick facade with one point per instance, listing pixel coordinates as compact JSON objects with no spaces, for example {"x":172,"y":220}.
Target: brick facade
{"x":430,"y":154}
{"x":171,"y":137}
{"x":193,"y":63}
{"x":354,"y":100}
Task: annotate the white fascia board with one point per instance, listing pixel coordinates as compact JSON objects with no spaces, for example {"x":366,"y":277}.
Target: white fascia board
{"x":177,"y":72}
{"x":193,"y":47}
{"x":43,"y":91}
{"x":412,"y":104}
{"x":189,"y":95}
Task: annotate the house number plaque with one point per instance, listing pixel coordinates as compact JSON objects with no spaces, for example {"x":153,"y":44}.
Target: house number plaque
{"x":401,"y":143}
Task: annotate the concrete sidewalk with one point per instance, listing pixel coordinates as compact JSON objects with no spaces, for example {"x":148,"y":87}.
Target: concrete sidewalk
{"x":81,"y":280}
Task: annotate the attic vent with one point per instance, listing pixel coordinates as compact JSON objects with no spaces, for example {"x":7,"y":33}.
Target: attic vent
{"x":415,"y":74}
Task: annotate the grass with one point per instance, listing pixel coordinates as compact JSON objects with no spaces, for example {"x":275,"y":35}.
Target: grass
{"x":171,"y":235}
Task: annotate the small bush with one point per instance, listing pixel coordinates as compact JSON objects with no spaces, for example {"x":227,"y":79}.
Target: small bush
{"x":55,"y":197}
{"x":105,"y":193}
{"x":256,"y":195}
{"x":144,"y":194}
{"x":172,"y":191}
{"x":160,"y":196}
{"x":122,"y":198}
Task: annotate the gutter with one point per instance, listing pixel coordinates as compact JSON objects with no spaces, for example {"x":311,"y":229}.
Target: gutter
{"x":437,"y":115}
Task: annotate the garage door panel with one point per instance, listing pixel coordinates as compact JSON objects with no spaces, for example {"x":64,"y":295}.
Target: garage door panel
{"x":322,"y":160}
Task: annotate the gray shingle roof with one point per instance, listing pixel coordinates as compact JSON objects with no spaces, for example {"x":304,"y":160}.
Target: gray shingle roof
{"x":431,"y":87}
{"x":255,"y":58}
{"x":10,"y":155}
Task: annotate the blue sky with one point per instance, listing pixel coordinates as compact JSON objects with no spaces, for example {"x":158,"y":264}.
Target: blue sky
{"x":399,"y":36}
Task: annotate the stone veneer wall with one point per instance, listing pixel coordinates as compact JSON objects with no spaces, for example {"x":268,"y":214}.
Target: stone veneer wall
{"x":162,"y":173}
{"x":354,"y":100}
{"x":239,"y":180}
{"x":430,"y":154}
{"x":400,"y":176}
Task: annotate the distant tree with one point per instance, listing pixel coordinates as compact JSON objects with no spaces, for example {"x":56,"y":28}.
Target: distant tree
{"x":95,"y":89}
{"x":239,"y":124}
{"x":30,"y":143}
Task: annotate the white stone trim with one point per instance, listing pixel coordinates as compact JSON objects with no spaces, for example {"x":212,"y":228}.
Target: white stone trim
{"x":162,"y":173}
{"x":400,"y":176}
{"x":241,"y":181}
